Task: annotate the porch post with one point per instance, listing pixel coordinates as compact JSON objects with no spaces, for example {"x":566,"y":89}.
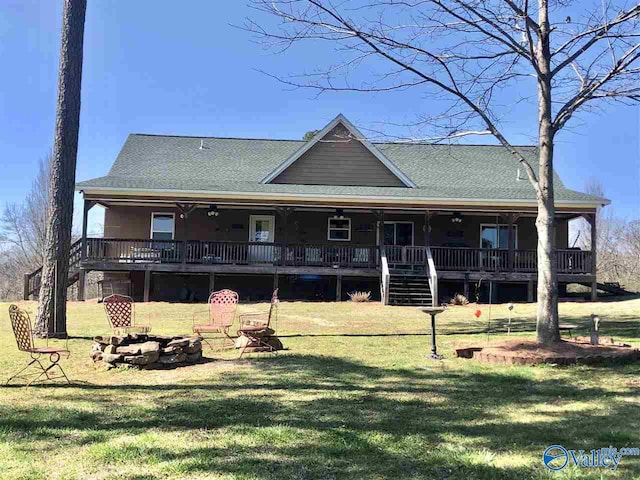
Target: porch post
{"x":338,"y":288}
{"x":147,"y":285}
{"x":380,"y":218}
{"x":530,"y":291}
{"x":466,"y":286}
{"x":85,"y":220}
{"x":427,"y":239}
{"x":212,"y":282}
{"x":427,"y":228}
{"x":83,"y":249}
{"x":511,"y":241}
{"x":81,"y":284}
{"x":284,"y":214}
{"x":592,"y":218}
{"x":493,"y":291}
{"x":185,"y":211}
{"x":25,"y":286}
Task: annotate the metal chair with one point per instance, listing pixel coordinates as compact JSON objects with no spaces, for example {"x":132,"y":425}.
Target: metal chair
{"x":21,"y":324}
{"x":222,"y":313}
{"x":120,"y":310}
{"x":257,"y":328}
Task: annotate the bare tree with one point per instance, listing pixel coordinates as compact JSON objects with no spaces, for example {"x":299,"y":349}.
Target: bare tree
{"x":22,"y":233}
{"x":52,"y":306}
{"x":473,"y":53}
{"x":607,"y":225}
{"x":618,"y":242}
{"x":631,"y":247}
{"x":24,"y":225}
{"x":608,"y":232}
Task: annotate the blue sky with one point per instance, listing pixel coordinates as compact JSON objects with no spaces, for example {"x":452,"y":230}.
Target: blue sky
{"x":158,"y":67}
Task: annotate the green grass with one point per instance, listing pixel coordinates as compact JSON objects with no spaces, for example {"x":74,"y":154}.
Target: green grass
{"x":353,"y":397}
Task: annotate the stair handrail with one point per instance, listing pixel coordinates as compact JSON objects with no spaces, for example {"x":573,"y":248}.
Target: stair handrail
{"x":32,"y":280}
{"x":386,"y":277}
{"x":433,"y":276}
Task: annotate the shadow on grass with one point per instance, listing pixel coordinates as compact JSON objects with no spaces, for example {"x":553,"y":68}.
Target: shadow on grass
{"x":327,"y":417}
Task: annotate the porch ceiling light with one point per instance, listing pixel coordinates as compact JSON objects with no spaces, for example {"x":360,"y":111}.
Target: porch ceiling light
{"x":213,"y":211}
{"x":339,"y":213}
{"x":456,"y":217}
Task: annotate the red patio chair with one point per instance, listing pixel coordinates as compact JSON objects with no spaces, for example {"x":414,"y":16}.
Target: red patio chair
{"x":121,"y":313}
{"x":257,"y":326}
{"x":222,"y":313}
{"x":21,"y":324}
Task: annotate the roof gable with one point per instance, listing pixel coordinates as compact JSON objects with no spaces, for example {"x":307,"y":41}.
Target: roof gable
{"x":160,"y":164}
{"x":339,"y":155}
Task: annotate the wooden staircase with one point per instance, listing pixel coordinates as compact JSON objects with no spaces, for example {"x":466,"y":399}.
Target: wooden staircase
{"x":613,"y":288}
{"x":410,"y":290}
{"x":32,"y":280}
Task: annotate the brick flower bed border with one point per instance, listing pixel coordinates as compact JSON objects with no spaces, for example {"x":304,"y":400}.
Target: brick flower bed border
{"x":526,"y":352}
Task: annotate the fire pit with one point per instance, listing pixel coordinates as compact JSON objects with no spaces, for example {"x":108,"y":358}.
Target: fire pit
{"x":146,"y":351}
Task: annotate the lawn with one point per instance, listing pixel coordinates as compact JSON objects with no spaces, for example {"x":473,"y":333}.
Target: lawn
{"x":353,"y":397}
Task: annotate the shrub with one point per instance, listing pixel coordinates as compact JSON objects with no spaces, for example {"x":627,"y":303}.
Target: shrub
{"x":360,"y":296}
{"x":459,"y":300}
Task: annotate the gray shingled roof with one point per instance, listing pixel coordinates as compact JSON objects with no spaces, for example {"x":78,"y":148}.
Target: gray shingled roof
{"x":156,"y":162}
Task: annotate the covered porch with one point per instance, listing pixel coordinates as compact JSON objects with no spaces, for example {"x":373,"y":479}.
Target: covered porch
{"x":334,"y":240}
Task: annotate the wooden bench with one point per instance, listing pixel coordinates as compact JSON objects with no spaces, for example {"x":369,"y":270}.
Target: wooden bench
{"x":566,"y":327}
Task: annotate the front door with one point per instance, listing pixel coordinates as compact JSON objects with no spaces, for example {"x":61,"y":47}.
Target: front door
{"x":398,"y":235}
{"x":262,"y":229}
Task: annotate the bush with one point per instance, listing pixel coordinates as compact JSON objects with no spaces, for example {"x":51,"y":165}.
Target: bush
{"x":459,"y":300}
{"x":360,"y":296}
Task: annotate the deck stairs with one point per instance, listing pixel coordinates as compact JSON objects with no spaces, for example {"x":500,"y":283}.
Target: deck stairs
{"x":612,"y":288}
{"x":410,"y":290}
{"x":32,"y":280}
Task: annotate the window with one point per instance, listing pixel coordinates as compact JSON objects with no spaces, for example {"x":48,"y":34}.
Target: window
{"x":339,"y":229}
{"x":497,"y":236}
{"x":162,"y":226}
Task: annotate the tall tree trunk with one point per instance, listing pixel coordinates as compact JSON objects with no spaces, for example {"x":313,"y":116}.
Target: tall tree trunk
{"x":547,"y":314}
{"x":52,"y":307}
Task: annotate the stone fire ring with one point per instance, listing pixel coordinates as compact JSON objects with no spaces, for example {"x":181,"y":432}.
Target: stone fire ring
{"x":146,"y":351}
{"x":520,"y":351}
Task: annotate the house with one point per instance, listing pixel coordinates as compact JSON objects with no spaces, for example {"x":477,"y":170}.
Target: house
{"x":413,"y":223}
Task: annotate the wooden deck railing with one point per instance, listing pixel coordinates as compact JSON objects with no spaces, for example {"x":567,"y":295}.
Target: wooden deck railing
{"x":405,"y":255}
{"x":134,"y":251}
{"x":32,"y":280}
{"x":574,"y":261}
{"x":470,"y":259}
{"x":231,"y":253}
{"x":497,"y":260}
{"x":331,"y":255}
{"x":326,"y":255}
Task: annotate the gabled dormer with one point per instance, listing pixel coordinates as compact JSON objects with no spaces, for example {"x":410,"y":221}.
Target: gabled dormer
{"x":339,"y":155}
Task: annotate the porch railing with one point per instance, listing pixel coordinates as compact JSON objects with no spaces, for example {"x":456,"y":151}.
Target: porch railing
{"x":230,"y":253}
{"x":134,"y":251}
{"x":470,"y":259}
{"x":498,"y":260}
{"x":405,"y":255}
{"x":324,"y":255}
{"x":574,"y":261}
